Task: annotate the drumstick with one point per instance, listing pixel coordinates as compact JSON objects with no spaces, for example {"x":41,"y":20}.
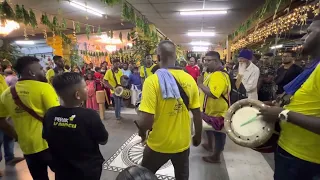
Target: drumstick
{"x":250,"y":120}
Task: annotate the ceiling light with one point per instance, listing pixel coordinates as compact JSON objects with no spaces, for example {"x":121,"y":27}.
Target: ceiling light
{"x":200,"y":43}
{"x":277,"y":46}
{"x":25,"y":42}
{"x":129,"y":44}
{"x":201,"y":33}
{"x":108,"y":40}
{"x":86,"y":8}
{"x":203,"y":12}
{"x":200,"y":49}
{"x":111,"y":48}
{"x":7,"y":26}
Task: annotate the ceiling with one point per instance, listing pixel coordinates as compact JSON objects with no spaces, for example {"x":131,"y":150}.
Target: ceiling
{"x":165,"y":15}
{"x":112,"y":22}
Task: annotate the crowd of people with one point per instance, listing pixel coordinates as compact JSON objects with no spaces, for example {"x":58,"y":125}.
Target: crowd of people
{"x":54,"y":130}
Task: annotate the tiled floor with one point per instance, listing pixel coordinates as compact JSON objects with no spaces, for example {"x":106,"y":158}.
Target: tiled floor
{"x":238,"y":163}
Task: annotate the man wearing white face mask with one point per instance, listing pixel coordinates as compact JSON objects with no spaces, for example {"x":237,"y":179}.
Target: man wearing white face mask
{"x":248,"y":73}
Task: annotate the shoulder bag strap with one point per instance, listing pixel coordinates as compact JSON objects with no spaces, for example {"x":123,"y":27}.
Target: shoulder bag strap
{"x":183,"y":94}
{"x":114,"y":77}
{"x":19,"y":103}
{"x":145,"y":72}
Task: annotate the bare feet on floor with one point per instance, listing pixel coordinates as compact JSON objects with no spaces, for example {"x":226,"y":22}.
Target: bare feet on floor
{"x":207,"y":147}
{"x":14,"y":161}
{"x":211,"y":159}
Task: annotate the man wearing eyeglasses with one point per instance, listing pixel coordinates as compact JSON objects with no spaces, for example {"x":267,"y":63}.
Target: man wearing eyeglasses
{"x":288,"y":71}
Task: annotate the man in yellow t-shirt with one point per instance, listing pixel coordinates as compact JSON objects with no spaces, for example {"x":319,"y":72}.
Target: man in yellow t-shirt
{"x":39,"y":96}
{"x":59,"y":69}
{"x":112,"y":80}
{"x":298,"y":154}
{"x":145,"y":71}
{"x":169,"y":118}
{"x":214,"y":101}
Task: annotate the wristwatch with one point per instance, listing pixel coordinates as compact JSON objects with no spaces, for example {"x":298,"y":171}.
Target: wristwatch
{"x":283,"y":116}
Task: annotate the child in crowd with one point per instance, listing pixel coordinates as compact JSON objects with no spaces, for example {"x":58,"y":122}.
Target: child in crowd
{"x":74,"y":133}
{"x":91,"y":95}
{"x":98,"y":78}
{"x":135,"y":84}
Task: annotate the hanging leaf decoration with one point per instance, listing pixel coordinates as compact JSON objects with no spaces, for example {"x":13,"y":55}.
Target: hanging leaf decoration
{"x":88,"y":31}
{"x":33,"y":20}
{"x":63,"y":24}
{"x":78,"y":29}
{"x":55,"y":22}
{"x":111,"y":34}
{"x":6,"y":12}
{"x":44,"y":19}
{"x":120,"y":36}
{"x":111,"y":2}
{"x":99,"y":31}
{"x":26,"y":16}
{"x":120,"y":51}
{"x":128,"y":37}
{"x":19,"y":14}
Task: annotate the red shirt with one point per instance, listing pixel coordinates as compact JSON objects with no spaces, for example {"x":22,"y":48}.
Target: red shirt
{"x":98,"y":78}
{"x":194,"y":71}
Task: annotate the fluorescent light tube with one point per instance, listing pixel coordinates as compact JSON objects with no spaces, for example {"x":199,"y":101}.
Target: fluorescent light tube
{"x":203,"y":12}
{"x":200,"y":49}
{"x":86,"y":8}
{"x":25,"y":42}
{"x":200,"y":43}
{"x":201,"y":34}
{"x":277,"y":46}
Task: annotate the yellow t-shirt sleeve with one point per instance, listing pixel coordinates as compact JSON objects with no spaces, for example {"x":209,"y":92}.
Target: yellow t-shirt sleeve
{"x":142,"y":71}
{"x":49,"y":75}
{"x":49,"y":97}
{"x":194,"y":99}
{"x":217,"y":84}
{"x":106,"y":76}
{"x":149,"y":97}
{"x":3,"y":110}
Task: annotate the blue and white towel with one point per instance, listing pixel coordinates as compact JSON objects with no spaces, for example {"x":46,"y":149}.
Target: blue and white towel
{"x":168,"y":85}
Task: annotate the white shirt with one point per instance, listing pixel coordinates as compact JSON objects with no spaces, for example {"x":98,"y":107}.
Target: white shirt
{"x":250,"y":81}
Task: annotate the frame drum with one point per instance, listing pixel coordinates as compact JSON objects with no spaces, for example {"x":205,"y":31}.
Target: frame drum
{"x":244,"y":133}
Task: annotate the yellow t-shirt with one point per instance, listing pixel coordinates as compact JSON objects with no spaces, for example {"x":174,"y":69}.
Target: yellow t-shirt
{"x":38,"y":96}
{"x":148,"y":70}
{"x":219,"y":84}
{"x":110,"y":78}
{"x":3,"y":84}
{"x":298,"y":141}
{"x":171,"y":131}
{"x":50,"y":74}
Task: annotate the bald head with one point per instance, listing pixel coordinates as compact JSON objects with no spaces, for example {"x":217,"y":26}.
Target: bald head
{"x":166,"y":52}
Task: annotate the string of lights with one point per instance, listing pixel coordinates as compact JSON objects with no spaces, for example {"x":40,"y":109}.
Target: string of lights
{"x":297,"y":17}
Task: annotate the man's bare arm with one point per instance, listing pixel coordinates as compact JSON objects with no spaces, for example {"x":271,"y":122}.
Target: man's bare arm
{"x":7,"y":128}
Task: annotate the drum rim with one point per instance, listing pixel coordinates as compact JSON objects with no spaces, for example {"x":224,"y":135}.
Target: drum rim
{"x":116,"y":93}
{"x":253,"y":140}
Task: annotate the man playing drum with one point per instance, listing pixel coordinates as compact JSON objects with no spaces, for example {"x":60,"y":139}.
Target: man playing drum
{"x":298,"y":154}
{"x":214,"y":99}
{"x":112,"y":80}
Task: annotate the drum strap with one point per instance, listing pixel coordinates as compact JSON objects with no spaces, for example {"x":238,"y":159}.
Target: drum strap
{"x":114,"y":77}
{"x":145,"y":72}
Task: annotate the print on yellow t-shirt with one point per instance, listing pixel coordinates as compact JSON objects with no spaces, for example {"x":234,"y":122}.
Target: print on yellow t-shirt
{"x":110,"y":78}
{"x":171,"y":131}
{"x":38,"y":96}
{"x":219,"y":84}
{"x":148,"y":70}
{"x":3,"y":84}
{"x":296,"y":140}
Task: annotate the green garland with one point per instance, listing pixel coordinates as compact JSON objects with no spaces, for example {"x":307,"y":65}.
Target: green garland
{"x":111,"y":2}
{"x":88,"y":31}
{"x":120,"y":36}
{"x":93,"y":53}
{"x":33,"y":20}
{"x":266,"y":9}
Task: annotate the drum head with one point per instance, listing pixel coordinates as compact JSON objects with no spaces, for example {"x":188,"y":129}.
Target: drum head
{"x":253,"y":134}
{"x":118,"y":91}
